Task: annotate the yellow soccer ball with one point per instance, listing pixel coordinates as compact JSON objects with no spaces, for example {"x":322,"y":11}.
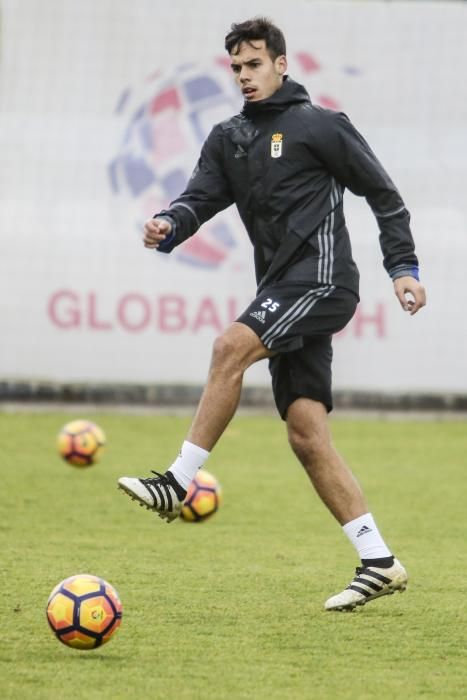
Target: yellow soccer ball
{"x":203,"y":498}
{"x":81,"y":443}
{"x":84,"y":611}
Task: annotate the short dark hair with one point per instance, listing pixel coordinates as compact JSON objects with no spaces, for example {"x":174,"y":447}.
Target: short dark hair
{"x":254,"y":29}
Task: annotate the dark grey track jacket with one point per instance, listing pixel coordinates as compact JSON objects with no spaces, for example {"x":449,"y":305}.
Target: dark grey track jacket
{"x":285,"y":163}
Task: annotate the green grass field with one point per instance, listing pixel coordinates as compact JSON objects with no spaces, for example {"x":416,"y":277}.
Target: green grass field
{"x":233,"y":608}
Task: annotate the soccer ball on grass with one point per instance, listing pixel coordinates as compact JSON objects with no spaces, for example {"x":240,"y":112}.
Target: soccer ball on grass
{"x":203,"y":498}
{"x":84,"y":611}
{"x":80,"y":442}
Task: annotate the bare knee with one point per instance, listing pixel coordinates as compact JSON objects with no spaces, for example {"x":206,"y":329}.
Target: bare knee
{"x":309,"y":435}
{"x":223,"y":350}
{"x":237,"y":348}
{"x":309,"y":446}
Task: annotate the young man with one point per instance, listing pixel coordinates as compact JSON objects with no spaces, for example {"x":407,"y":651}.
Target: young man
{"x":285,"y":163}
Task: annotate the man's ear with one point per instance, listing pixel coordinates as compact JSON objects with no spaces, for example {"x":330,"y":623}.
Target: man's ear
{"x":281,"y":64}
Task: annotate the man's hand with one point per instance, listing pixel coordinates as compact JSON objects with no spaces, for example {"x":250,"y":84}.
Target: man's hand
{"x":411,"y":293}
{"x":156,"y":231}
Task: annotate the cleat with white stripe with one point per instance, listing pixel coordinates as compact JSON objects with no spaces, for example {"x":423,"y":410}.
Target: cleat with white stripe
{"x":162,"y":494}
{"x":369,"y":582}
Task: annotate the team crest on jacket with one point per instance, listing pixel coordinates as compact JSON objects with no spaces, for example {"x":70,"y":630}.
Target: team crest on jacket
{"x":276,"y":145}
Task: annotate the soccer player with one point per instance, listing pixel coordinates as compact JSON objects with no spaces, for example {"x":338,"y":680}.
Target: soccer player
{"x":285,"y":163}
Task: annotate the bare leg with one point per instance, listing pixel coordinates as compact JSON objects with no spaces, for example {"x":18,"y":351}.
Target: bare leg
{"x":310,"y":438}
{"x":233,"y":352}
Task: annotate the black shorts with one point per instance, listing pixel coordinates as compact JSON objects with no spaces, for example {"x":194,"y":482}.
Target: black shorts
{"x":297,"y":322}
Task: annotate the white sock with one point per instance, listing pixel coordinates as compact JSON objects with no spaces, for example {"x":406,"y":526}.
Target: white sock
{"x":365,"y":537}
{"x":189,"y":460}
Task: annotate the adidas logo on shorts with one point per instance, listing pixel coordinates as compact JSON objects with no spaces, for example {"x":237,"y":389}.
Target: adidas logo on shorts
{"x":259,"y":315}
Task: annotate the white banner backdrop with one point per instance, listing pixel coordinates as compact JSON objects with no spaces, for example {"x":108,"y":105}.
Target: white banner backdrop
{"x":104,"y":107}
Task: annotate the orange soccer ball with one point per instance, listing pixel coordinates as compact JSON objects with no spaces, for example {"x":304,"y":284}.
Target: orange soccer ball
{"x":203,"y":498}
{"x":81,"y":443}
{"x":84,"y":611}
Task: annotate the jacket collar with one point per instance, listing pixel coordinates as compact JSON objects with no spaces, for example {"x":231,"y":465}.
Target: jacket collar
{"x":289,"y":93}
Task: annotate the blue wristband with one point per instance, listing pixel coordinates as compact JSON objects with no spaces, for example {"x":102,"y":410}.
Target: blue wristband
{"x":402,"y":271}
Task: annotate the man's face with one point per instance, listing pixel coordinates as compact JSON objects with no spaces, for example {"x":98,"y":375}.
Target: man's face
{"x":256,"y":74}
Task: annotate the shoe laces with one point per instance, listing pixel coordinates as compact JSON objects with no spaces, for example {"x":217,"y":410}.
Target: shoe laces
{"x":168,"y":482}
{"x":161,"y":479}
